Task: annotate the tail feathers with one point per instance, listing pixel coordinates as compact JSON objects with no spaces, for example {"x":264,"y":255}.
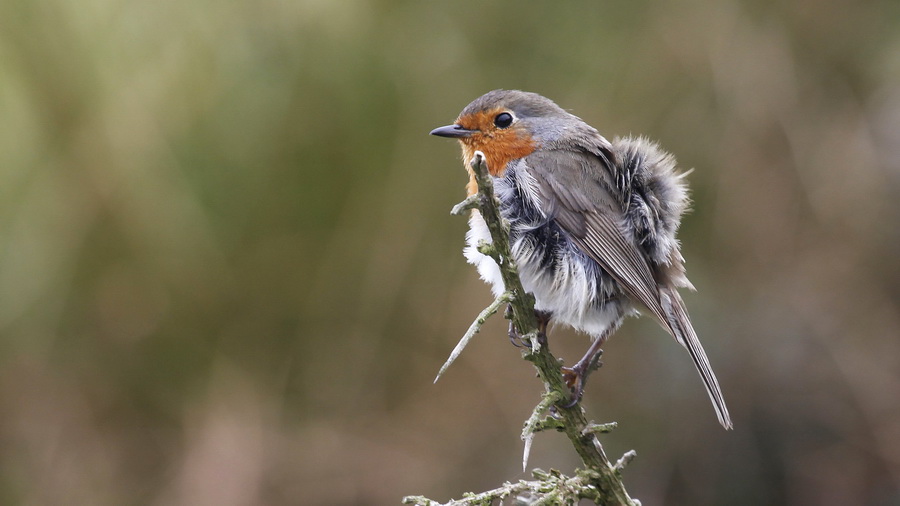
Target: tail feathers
{"x":679,"y":324}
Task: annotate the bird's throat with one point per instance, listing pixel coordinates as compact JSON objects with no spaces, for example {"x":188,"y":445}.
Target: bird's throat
{"x":499,"y":149}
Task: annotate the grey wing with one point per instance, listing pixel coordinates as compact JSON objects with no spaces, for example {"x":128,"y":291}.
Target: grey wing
{"x":578,"y":191}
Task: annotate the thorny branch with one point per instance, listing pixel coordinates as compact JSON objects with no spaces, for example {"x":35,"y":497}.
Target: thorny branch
{"x":600,"y":480}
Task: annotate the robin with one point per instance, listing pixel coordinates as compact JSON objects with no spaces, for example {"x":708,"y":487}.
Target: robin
{"x":592,"y":223}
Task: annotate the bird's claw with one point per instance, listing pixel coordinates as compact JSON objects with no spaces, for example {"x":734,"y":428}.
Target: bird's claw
{"x":575,"y":381}
{"x":520,"y":341}
{"x":576,"y":376}
{"x":515,"y":337}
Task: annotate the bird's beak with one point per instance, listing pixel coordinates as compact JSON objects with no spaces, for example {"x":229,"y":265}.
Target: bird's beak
{"x":454,"y":131}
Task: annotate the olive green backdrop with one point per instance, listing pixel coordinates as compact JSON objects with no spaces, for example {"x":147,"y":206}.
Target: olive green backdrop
{"x":228,"y":273}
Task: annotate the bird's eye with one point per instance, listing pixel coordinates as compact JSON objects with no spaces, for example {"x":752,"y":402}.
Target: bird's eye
{"x":503,"y":120}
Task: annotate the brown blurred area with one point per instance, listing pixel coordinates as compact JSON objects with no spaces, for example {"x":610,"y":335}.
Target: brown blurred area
{"x":228,"y":273}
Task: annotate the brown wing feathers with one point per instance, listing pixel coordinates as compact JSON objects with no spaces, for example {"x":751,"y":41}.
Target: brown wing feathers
{"x":590,"y":212}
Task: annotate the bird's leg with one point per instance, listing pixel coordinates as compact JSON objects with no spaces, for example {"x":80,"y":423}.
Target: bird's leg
{"x":514,"y":337}
{"x":576,"y":376}
{"x":543,"y":318}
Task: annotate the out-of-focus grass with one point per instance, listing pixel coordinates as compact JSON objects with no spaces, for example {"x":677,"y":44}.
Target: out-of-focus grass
{"x":228,"y":273}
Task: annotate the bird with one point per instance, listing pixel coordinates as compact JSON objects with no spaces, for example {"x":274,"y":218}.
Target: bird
{"x":592,"y":223}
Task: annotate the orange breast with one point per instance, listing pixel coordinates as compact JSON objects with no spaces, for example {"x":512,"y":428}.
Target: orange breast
{"x":499,"y":145}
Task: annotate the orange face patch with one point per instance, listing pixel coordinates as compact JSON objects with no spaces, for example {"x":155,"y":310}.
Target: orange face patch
{"x":499,"y":145}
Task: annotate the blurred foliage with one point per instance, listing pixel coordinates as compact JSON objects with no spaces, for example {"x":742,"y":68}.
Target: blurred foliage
{"x":228,"y":273}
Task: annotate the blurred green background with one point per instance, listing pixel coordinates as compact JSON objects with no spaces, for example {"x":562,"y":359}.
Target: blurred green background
{"x":228,"y":273}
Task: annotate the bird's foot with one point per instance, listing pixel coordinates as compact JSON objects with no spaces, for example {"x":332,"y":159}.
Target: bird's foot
{"x":576,"y":376}
{"x":516,"y":337}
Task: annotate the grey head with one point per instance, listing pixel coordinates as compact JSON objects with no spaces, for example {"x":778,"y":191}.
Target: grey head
{"x":524,"y":103}
{"x":546,"y":123}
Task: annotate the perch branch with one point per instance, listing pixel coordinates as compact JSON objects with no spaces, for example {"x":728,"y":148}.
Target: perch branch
{"x":549,"y":488}
{"x":600,"y":480}
{"x":473,"y":329}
